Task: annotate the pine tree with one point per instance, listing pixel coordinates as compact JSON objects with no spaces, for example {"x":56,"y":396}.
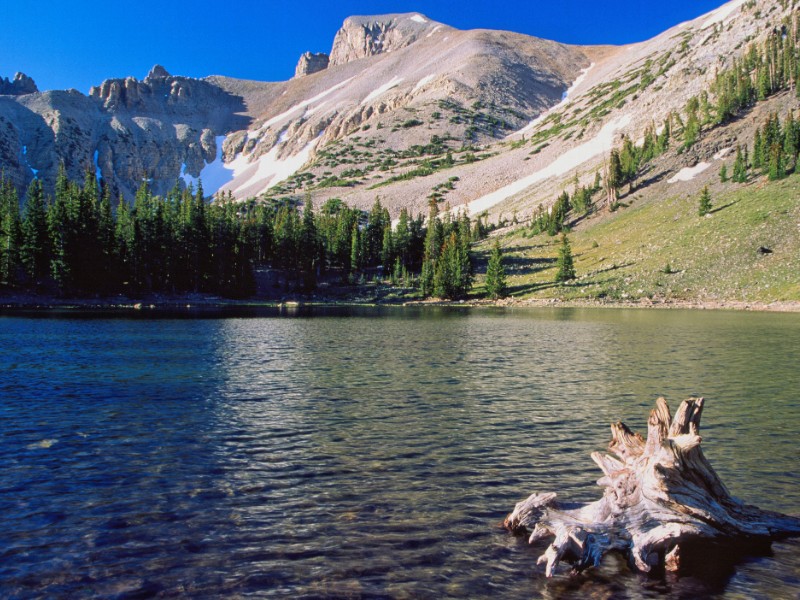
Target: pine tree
{"x":662,"y":141}
{"x":565,"y":263}
{"x":705,"y":202}
{"x":791,"y":141}
{"x":373,"y":233}
{"x":355,"y":250}
{"x":495,"y":274}
{"x":388,"y":251}
{"x":691,"y":130}
{"x":723,"y":173}
{"x":432,"y":248}
{"x":629,"y":163}
{"x":309,"y":246}
{"x":598,"y":182}
{"x":776,"y":168}
{"x":613,"y":178}
{"x":10,"y":234}
{"x":402,"y":239}
{"x":739,"y":167}
{"x":758,"y":151}
{"x":61,"y":217}
{"x":35,"y":236}
{"x":452,"y":274}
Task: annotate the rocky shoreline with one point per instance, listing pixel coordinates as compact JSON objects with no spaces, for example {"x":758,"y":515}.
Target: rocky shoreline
{"x":28,"y":302}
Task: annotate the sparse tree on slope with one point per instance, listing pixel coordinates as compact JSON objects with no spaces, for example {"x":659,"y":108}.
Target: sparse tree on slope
{"x":565,"y":263}
{"x":705,"y":202}
{"x":496,"y":274}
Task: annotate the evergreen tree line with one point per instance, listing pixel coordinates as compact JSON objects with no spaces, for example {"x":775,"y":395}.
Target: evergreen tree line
{"x":764,"y":70}
{"x":447,"y":267}
{"x":775,"y":151}
{"x":77,"y":244}
{"x":580,"y":202}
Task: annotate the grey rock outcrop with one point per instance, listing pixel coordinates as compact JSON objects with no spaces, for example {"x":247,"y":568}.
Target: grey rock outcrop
{"x":126,"y":130}
{"x":20,"y":85}
{"x":311,"y":63}
{"x":157,"y":72}
{"x":360,"y":37}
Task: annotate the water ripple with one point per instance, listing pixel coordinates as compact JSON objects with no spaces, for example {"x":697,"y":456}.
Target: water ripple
{"x":343,"y":456}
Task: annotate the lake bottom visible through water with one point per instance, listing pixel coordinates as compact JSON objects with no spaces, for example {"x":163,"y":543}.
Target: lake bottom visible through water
{"x":347,"y":453}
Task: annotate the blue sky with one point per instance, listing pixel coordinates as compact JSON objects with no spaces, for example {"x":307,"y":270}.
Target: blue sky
{"x":76,"y":44}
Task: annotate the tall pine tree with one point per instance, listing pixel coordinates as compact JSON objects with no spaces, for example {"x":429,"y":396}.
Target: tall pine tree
{"x":496,"y":274}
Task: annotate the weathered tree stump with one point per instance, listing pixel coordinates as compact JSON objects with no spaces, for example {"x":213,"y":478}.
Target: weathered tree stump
{"x":661,"y":497}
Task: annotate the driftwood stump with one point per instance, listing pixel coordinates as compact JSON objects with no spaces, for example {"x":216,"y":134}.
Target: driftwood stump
{"x":661,"y":497}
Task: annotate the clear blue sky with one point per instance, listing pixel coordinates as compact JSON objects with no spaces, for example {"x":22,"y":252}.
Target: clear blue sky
{"x":79,"y":43}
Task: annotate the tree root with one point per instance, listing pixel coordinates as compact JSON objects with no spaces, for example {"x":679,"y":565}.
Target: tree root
{"x":660,"y":495}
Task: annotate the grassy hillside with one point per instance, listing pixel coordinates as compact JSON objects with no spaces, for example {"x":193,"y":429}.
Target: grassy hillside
{"x":662,"y":250}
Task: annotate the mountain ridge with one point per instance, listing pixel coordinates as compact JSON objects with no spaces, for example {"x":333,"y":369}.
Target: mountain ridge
{"x":410,"y":89}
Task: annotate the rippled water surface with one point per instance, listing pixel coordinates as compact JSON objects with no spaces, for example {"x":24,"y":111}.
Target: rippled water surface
{"x":364,"y":453}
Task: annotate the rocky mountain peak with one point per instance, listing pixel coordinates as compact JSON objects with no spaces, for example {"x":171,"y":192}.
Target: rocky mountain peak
{"x":157,"y":72}
{"x":311,"y":63}
{"x":20,"y":85}
{"x":360,"y":37}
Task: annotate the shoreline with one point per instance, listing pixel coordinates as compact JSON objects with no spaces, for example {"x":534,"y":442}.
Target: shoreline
{"x":26,"y":303}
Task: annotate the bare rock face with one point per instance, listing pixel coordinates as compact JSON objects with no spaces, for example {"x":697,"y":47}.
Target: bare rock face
{"x":310,"y":63}
{"x":157,"y":129}
{"x":157,"y":72}
{"x":19,"y":86}
{"x":360,"y":37}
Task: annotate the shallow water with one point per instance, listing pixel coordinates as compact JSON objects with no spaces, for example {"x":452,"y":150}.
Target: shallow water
{"x":363,"y":452}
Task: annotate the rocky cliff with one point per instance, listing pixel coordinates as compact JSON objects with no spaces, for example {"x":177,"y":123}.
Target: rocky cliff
{"x":361,"y":37}
{"x":125,"y":131}
{"x":311,"y":63}
{"x":20,"y":85}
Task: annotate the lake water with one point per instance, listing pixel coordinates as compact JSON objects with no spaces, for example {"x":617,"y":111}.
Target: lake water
{"x":364,"y":452}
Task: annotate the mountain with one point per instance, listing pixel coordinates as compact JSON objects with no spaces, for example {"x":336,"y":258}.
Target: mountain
{"x":392,"y":68}
{"x":402,"y":107}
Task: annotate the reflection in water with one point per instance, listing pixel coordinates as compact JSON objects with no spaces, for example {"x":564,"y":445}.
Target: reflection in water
{"x":367,"y":454}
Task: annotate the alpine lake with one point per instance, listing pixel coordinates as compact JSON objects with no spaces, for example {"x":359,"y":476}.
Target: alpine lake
{"x":358,"y":452}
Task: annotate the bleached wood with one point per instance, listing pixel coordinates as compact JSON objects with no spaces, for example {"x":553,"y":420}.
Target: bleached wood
{"x":659,"y":494}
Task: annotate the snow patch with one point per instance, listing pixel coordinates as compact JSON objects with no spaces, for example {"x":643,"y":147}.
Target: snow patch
{"x":722,"y":153}
{"x":418,"y":19}
{"x":722,"y":13}
{"x":689,"y":173}
{"x":25,"y":158}
{"x":316,"y":108}
{"x":300,"y":105}
{"x":564,"y":101}
{"x":424,"y":81}
{"x":187,"y":179}
{"x":216,"y":173}
{"x":254,"y":178}
{"x":569,"y":160}
{"x":98,"y":175}
{"x":434,"y":30}
{"x":284,"y":136}
{"x":383,"y":89}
